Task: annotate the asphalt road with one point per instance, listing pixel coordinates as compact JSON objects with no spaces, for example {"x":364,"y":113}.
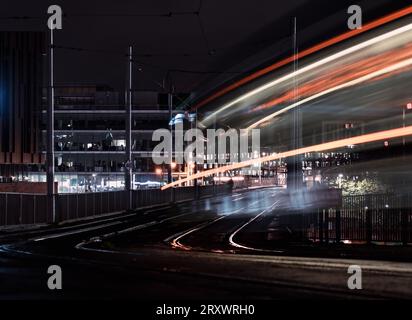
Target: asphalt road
{"x":213,"y":248}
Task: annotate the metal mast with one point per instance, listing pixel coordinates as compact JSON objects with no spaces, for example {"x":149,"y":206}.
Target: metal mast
{"x":129,"y":163}
{"x":50,"y":132}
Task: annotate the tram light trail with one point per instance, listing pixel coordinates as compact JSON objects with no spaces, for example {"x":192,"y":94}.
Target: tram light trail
{"x":310,"y":68}
{"x":328,"y":43}
{"x":379,"y":73}
{"x":366,"y":138}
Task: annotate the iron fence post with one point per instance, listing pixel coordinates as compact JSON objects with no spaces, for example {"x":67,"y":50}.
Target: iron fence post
{"x":34,"y":208}
{"x":21,"y":209}
{"x":337,"y":226}
{"x":320,"y":224}
{"x":326,"y":226}
{"x":7,"y":211}
{"x":404,"y":220}
{"x":368,"y":221}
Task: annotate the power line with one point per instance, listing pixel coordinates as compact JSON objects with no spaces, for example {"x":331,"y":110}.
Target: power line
{"x":79,"y":49}
{"x":22,"y":17}
{"x":169,"y":14}
{"x":203,"y":30}
{"x":204,"y":36}
{"x":122,"y":54}
{"x":204,"y":72}
{"x":199,"y":8}
{"x":210,"y":51}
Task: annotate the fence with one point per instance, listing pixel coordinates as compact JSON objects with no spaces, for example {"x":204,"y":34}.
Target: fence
{"x":16,"y":209}
{"x":250,"y":181}
{"x":23,"y":209}
{"x":371,"y":218}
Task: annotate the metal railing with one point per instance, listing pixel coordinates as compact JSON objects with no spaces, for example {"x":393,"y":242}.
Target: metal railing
{"x":18,"y":208}
{"x":22,"y":209}
{"x":373,"y":218}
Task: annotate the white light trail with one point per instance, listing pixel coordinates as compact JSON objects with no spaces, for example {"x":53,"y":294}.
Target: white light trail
{"x":365,"y":138}
{"x":367,"y":77}
{"x":310,"y":67}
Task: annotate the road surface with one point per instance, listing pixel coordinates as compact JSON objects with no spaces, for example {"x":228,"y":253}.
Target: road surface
{"x":208,"y":249}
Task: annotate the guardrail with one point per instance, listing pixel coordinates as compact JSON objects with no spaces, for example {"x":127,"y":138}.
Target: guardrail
{"x":23,"y":209}
{"x":19,"y":209}
{"x":380,"y":218}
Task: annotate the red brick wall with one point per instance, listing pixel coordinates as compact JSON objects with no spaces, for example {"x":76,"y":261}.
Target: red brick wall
{"x":26,"y":187}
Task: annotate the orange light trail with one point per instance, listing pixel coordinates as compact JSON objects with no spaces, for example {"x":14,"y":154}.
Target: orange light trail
{"x":350,"y":34}
{"x":343,"y":75}
{"x":366,"y":138}
{"x":388,"y":70}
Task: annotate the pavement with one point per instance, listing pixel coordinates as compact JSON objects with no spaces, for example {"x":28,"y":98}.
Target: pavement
{"x":211,"y":248}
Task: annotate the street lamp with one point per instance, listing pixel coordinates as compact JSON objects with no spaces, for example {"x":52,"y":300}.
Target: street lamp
{"x":340,"y":177}
{"x":94,"y":182}
{"x":177,"y":119}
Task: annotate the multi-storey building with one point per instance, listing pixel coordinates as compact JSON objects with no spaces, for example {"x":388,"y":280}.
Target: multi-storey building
{"x":90,"y":140}
{"x":21,"y":81}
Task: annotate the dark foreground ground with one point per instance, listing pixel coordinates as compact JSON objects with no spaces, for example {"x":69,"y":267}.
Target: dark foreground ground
{"x":209,"y":249}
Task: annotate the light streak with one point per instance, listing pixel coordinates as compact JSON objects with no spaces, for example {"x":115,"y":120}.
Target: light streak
{"x":344,"y":74}
{"x":369,"y":26}
{"x":365,"y":138}
{"x":241,"y":246}
{"x":367,"y":77}
{"x":322,"y":62}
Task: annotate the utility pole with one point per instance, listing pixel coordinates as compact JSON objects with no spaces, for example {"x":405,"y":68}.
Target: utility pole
{"x":403,"y":125}
{"x":129,"y":163}
{"x":214,"y":156}
{"x":50,"y":132}
{"x":195,"y":161}
{"x":295,"y":163}
{"x":170,"y":105}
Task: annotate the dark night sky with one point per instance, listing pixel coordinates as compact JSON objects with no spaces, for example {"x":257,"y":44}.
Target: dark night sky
{"x":232,"y":29}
